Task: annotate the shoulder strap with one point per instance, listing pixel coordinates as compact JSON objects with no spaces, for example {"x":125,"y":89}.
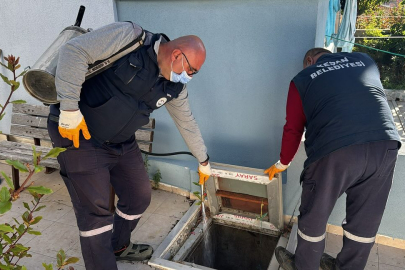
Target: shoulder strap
{"x":102,"y":65}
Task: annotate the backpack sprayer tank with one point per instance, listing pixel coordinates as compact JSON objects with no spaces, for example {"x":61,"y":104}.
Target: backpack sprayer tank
{"x":39,"y":81}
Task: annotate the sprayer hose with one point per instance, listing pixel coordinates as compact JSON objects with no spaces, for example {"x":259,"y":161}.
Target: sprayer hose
{"x":167,"y":154}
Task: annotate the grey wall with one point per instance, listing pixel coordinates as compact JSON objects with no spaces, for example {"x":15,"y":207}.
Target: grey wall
{"x":254,"y":48}
{"x":27,"y":28}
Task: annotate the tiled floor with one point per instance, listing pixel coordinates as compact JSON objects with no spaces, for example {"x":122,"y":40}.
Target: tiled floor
{"x":381,"y":257}
{"x":59,"y":229}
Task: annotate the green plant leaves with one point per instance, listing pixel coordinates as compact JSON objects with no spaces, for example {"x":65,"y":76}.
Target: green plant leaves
{"x":15,"y":84}
{"x":34,"y":232}
{"x":19,"y":248}
{"x":47,"y":266}
{"x":54,"y":152}
{"x":39,"y":208}
{"x":40,"y":190}
{"x":5,"y":79}
{"x":4,"y":194}
{"x":197,"y":184}
{"x":27,"y":206}
{"x":8,"y":180}
{"x":16,"y":164}
{"x":1,"y":116}
{"x":197,"y":194}
{"x":22,"y":73}
{"x":61,"y":256}
{"x":35,"y":220}
{"x":6,"y":228}
{"x":71,"y":260}
{"x":18,"y":101}
{"x":38,"y":168}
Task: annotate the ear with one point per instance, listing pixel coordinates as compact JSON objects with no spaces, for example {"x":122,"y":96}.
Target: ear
{"x":175,"y":54}
{"x":309,"y":61}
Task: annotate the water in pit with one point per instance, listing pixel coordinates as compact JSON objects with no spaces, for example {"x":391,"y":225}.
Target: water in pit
{"x":233,"y":249}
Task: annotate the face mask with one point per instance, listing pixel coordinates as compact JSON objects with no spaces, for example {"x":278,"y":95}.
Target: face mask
{"x":182,"y":77}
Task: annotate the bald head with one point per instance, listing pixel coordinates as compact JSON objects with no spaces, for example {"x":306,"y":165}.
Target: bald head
{"x":191,"y":44}
{"x":313,"y":55}
{"x":183,"y":53}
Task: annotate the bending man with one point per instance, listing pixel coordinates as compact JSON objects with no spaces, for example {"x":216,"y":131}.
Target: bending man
{"x":351,"y":144}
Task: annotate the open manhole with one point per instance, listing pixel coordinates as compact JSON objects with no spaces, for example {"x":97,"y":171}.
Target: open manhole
{"x":246,"y":219}
{"x":227,"y":248}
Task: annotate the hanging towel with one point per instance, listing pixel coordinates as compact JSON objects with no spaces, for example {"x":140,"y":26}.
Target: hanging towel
{"x":347,"y":27}
{"x":334,"y":7}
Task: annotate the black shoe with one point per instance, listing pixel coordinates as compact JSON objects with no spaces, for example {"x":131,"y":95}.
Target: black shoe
{"x":328,"y":262}
{"x":285,"y":258}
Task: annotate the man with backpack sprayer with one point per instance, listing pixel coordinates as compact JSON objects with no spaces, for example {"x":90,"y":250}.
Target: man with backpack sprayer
{"x":96,"y":121}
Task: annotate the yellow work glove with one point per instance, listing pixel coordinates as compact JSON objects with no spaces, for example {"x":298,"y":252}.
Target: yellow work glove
{"x":276,"y":168}
{"x":70,"y":124}
{"x":204,"y":172}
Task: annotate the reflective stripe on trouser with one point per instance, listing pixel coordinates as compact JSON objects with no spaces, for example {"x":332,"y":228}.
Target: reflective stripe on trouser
{"x":364,"y":172}
{"x":88,"y":173}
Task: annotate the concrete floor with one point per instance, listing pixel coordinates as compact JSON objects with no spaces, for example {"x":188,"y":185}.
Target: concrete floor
{"x":59,"y":229}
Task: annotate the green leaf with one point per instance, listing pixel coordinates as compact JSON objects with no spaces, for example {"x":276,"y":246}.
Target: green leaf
{"x":198,"y":203}
{"x":21,"y":229}
{"x":27,"y":206}
{"x":1,"y":64}
{"x":16,"y":164}
{"x":62,"y":253}
{"x":59,"y":260}
{"x":16,"y":84}
{"x":25,"y":217}
{"x":6,"y":228}
{"x":54,"y":152}
{"x":16,"y":221}
{"x":23,"y":267}
{"x":35,"y":220}
{"x":39,"y":208}
{"x":19,"y":248}
{"x":18,"y":101}
{"x":40,"y":190}
{"x":8,"y":180}
{"x":71,"y":260}
{"x":34,"y":232}
{"x":197,"y":184}
{"x":4,"y":195}
{"x":4,"y":267}
{"x":38,"y":169}
{"x":5,"y":79}
{"x":7,"y":238}
{"x":1,"y":116}
{"x":22,"y":73}
{"x":47,"y":266}
{"x":4,"y":207}
{"x":197,"y":194}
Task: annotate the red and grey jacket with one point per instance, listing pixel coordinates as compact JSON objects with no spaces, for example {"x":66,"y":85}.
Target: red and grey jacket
{"x":340,"y":101}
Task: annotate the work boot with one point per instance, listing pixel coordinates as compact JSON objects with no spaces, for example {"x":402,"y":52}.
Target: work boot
{"x":285,"y":258}
{"x":328,"y":262}
{"x":134,"y":252}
